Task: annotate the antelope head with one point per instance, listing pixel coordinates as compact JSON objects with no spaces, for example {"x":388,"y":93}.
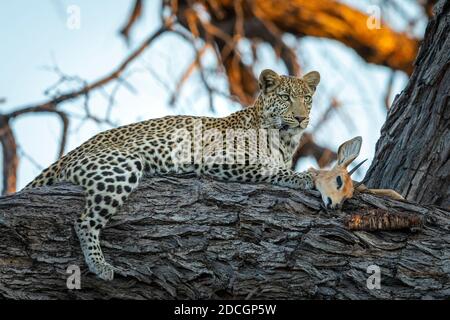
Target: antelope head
{"x":335,"y":185}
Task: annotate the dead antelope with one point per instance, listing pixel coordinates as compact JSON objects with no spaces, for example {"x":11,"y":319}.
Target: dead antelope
{"x":336,"y":186}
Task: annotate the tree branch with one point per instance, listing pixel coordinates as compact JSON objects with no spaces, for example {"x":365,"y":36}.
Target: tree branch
{"x":115,"y":74}
{"x":135,"y":14}
{"x":190,"y":238}
{"x":308,"y":147}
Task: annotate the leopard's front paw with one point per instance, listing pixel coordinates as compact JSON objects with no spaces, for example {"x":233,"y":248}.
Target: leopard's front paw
{"x":104,"y":270}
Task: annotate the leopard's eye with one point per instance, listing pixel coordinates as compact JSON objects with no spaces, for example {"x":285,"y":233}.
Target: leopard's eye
{"x":285,"y":97}
{"x":308,"y":99}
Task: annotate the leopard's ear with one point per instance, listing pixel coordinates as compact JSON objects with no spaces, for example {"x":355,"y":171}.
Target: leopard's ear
{"x":312,"y":79}
{"x":268,"y":80}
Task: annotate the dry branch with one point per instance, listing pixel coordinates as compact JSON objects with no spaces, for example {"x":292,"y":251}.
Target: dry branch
{"x":113,"y":75}
{"x":308,"y":147}
{"x":134,"y":16}
{"x":184,"y":237}
{"x":7,"y":138}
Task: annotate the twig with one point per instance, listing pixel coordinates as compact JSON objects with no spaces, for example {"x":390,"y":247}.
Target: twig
{"x":190,"y":69}
{"x":50,"y":105}
{"x":136,"y":13}
{"x":29,"y":158}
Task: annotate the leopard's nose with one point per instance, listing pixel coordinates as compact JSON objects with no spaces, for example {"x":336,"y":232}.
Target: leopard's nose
{"x":299,"y":119}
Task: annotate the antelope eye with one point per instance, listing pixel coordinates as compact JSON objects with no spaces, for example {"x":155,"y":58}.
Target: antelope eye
{"x":285,"y":97}
{"x":339,"y":182}
{"x":308,"y":99}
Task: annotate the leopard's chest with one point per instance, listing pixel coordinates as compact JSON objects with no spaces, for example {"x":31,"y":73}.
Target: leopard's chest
{"x":290,"y":141}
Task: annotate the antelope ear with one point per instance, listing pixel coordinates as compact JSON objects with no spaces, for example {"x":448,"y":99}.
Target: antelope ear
{"x":312,"y":79}
{"x":268,"y":80}
{"x":348,"y":151}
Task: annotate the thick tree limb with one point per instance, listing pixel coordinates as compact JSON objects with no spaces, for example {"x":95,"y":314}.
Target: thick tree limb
{"x":199,"y":238}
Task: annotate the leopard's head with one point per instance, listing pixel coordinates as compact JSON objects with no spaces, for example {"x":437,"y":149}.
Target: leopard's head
{"x":286,"y":101}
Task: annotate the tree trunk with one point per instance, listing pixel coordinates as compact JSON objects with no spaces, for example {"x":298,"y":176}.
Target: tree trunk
{"x":9,"y":156}
{"x":412,"y":155}
{"x":189,"y":238}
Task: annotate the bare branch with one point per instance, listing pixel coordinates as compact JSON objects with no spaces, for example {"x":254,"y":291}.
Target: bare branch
{"x":136,"y":13}
{"x":25,"y":155}
{"x":190,"y":69}
{"x":308,"y":147}
{"x":115,"y":74}
{"x":65,"y":129}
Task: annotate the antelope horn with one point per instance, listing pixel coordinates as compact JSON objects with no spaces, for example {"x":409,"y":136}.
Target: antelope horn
{"x":356,"y":185}
{"x":356,"y":167}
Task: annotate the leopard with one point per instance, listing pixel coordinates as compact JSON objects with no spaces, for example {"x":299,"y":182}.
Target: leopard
{"x":110,"y":165}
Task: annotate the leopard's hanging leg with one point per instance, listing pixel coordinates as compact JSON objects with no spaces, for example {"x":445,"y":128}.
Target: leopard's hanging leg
{"x":107,"y":187}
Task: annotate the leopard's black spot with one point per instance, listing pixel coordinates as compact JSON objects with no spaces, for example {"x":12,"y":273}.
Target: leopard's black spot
{"x":98,"y":199}
{"x":132,"y":179}
{"x":138,"y":165}
{"x":107,"y":200}
{"x":118,"y":170}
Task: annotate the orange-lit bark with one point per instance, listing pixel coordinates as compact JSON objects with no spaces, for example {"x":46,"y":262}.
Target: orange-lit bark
{"x":381,"y":219}
{"x":267,"y":20}
{"x":335,"y":20}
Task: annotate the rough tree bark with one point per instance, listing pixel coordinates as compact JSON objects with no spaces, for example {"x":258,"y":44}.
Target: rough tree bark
{"x":184,"y":237}
{"x":413,"y":153}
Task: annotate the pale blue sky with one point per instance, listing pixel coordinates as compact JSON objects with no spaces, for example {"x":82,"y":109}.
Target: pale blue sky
{"x":34,"y":36}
